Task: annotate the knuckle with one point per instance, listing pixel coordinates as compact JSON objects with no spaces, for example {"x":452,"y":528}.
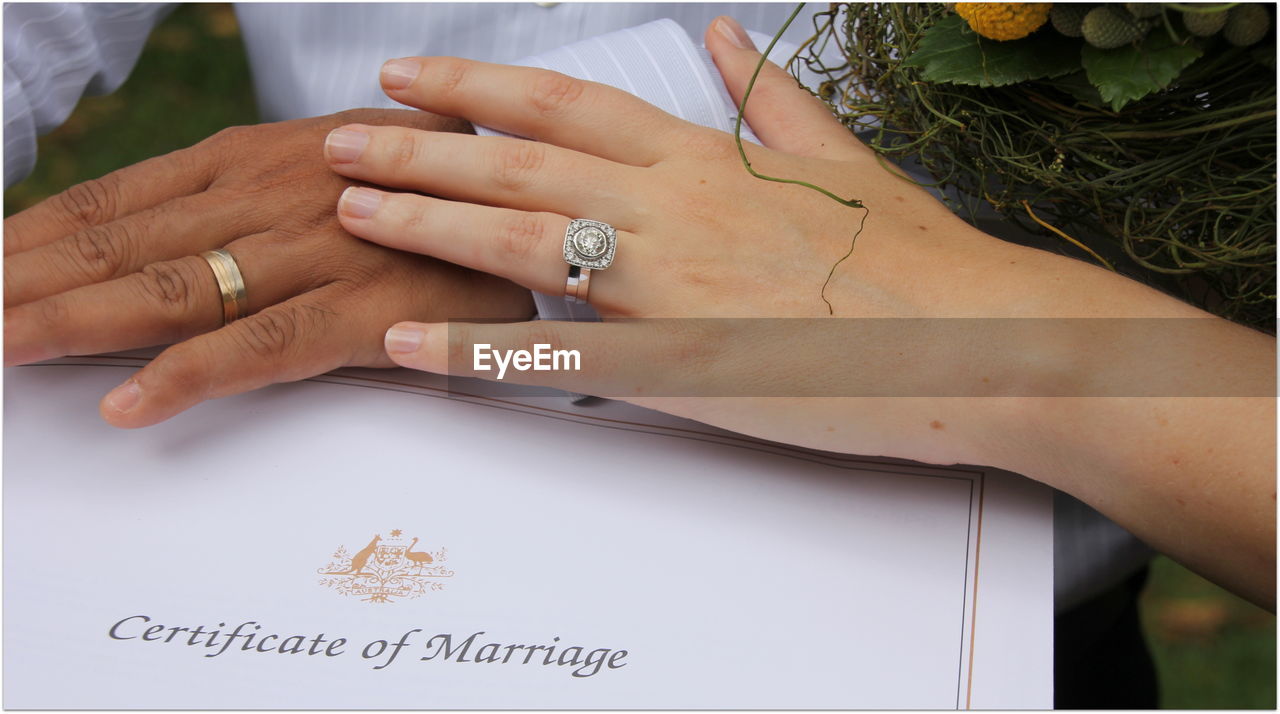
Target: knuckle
{"x":10,"y":275}
{"x":201,"y":162}
{"x":171,"y":286}
{"x":268,"y":335}
{"x":91,"y":202}
{"x":230,"y":135}
{"x":460,"y":342}
{"x":53,"y":311}
{"x":338,"y":257}
{"x":536,"y":334}
{"x":224,"y":149}
{"x":552,"y":93}
{"x":516,"y":165}
{"x":17,"y":233}
{"x":413,"y":217}
{"x":98,"y":251}
{"x":450,"y":75}
{"x":279,"y":333}
{"x":405,"y":154}
{"x":519,"y":238}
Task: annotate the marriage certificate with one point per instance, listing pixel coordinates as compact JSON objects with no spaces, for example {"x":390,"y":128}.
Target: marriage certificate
{"x":366,"y":540}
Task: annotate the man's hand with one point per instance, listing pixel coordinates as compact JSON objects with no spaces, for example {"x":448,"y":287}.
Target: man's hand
{"x":113,"y":264}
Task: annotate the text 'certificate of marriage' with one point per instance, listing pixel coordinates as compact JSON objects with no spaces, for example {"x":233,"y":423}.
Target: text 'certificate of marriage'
{"x":364,"y":541}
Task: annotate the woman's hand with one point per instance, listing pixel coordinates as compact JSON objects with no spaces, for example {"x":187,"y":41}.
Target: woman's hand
{"x":699,"y":237}
{"x":112,"y":264}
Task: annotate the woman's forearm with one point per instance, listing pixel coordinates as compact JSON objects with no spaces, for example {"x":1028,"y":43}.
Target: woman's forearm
{"x":1156,"y":413}
{"x":1193,"y":477}
{"x":1190,"y":470}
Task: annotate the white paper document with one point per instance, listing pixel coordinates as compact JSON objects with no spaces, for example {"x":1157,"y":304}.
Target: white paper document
{"x":365,"y":541}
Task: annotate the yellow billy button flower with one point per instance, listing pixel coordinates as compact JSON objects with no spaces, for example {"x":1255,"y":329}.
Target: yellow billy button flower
{"x":1004,"y":20}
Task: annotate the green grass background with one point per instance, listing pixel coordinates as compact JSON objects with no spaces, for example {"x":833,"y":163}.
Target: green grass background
{"x":191,"y":81}
{"x":1212,"y":649}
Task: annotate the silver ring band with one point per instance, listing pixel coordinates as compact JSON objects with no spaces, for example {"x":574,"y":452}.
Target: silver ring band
{"x":578,"y":285}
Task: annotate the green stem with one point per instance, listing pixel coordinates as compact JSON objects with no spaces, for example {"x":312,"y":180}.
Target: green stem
{"x":1192,"y":130}
{"x":742,"y":152}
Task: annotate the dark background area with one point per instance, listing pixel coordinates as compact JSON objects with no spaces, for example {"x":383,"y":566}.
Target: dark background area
{"x":1212,"y":649}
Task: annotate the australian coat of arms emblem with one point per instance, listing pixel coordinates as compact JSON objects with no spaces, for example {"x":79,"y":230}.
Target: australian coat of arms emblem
{"x":386,"y":569}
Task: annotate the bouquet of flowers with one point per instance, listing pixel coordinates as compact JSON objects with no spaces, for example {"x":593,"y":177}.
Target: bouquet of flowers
{"x":1147,"y":126}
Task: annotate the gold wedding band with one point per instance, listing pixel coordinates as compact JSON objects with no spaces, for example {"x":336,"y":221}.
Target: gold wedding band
{"x":230,"y":284}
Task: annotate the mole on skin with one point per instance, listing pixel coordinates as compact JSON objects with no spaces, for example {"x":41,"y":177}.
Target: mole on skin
{"x":935,"y":424}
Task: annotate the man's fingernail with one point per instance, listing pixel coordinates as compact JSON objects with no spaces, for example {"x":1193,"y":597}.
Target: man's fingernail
{"x":359,"y":202}
{"x":345,"y":146}
{"x":733,"y":32}
{"x":401,"y":340}
{"x":123,"y":398}
{"x":398,"y":73}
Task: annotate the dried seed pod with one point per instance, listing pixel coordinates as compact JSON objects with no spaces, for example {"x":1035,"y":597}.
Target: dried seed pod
{"x":1067,"y":18}
{"x":1246,"y":24}
{"x":1204,"y":24}
{"x":1144,"y":10}
{"x":1108,"y":27}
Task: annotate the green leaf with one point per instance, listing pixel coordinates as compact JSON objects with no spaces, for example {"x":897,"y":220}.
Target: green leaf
{"x":952,"y":52}
{"x":1077,"y":84}
{"x":1125,"y":74}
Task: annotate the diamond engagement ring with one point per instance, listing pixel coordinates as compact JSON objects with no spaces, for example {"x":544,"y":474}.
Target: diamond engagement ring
{"x":588,"y":245}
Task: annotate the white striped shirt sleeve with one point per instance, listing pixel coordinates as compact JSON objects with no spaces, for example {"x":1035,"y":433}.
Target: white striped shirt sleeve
{"x":54,"y":53}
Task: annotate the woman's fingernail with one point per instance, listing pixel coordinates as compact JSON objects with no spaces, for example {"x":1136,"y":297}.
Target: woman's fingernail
{"x":345,"y":146}
{"x":358,"y":202}
{"x":402,"y":340}
{"x":733,"y":32}
{"x":123,"y":398}
{"x":399,"y":73}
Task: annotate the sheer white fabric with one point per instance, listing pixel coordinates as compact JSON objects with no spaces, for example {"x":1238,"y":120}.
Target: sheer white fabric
{"x":56,"y":52}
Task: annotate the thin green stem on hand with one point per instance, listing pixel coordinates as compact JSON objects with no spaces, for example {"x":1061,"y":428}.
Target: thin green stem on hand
{"x":742,"y":152}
